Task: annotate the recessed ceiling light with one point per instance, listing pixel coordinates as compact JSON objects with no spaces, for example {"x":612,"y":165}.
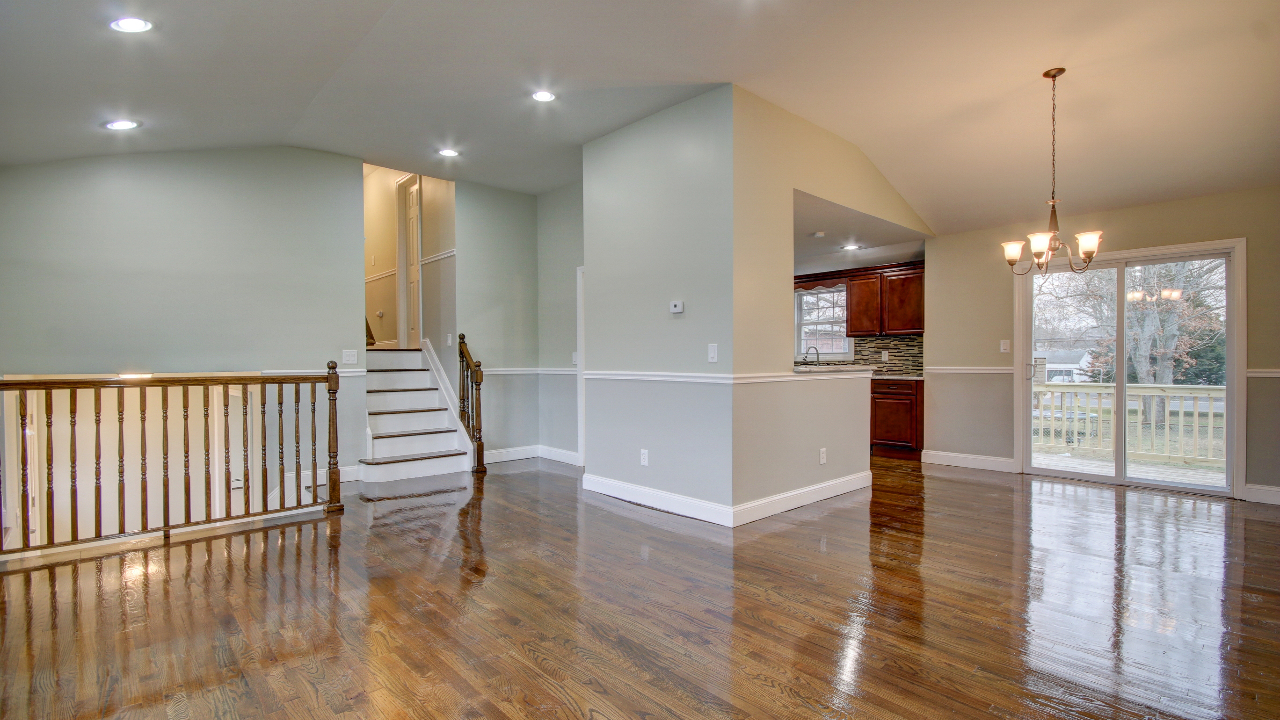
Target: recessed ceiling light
{"x":543,"y":96}
{"x":122,"y":125}
{"x":820,"y":234}
{"x":449,"y":153}
{"x":850,"y":247}
{"x":131,"y":25}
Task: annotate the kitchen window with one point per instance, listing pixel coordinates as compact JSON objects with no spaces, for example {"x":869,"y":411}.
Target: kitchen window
{"x":820,"y":320}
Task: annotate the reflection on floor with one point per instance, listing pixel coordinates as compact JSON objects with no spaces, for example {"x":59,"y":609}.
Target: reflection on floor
{"x":951,"y":593}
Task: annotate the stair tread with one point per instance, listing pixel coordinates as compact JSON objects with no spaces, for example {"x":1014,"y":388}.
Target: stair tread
{"x":378,"y":349}
{"x":410,"y":458}
{"x":385,"y":390}
{"x":402,"y":412}
{"x":399,"y":370}
{"x":411,"y":433}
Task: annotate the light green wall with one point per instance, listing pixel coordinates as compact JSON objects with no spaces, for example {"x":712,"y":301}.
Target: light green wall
{"x":439,"y":277}
{"x":559,"y":257}
{"x":969,"y":292}
{"x":658,"y":223}
{"x":209,"y":261}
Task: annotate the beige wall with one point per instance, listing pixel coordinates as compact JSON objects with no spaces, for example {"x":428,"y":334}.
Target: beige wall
{"x":380,"y":251}
{"x":774,"y":153}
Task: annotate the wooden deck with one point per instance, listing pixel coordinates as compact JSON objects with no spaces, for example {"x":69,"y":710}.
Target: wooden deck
{"x":960,"y":594}
{"x":1203,"y":477}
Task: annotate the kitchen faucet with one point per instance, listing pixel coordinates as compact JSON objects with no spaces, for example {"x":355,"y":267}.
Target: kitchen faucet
{"x":816,"y":354}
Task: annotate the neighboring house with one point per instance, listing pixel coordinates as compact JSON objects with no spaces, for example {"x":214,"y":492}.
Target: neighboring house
{"x":1062,"y":366}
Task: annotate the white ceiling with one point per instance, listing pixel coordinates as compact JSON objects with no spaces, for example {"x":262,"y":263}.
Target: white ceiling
{"x":879,"y":241}
{"x":1162,"y":99}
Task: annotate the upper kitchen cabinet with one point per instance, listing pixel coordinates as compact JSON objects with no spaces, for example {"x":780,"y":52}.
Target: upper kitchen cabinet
{"x":902,"y":302}
{"x":880,"y":300}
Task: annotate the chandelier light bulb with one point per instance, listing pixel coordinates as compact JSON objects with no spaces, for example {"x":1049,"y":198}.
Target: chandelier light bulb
{"x":1013,"y":251}
{"x":1089,"y":243}
{"x":1040,"y":243}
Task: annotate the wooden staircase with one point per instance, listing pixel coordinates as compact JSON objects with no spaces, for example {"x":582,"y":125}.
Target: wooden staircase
{"x":413,"y":432}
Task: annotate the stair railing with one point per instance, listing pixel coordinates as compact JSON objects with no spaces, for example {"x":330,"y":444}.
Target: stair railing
{"x":469,"y":380}
{"x":58,"y":489}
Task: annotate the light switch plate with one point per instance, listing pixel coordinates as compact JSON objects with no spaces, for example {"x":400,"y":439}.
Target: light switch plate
{"x":448,"y":339}
{"x":677,"y":306}
{"x":574,"y":356}
{"x":348,"y":357}
{"x":1004,"y":346}
{"x":713,"y":351}
{"x":822,"y":456}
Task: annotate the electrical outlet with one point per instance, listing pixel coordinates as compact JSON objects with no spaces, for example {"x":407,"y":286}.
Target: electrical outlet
{"x":884,"y":356}
{"x":712,"y":351}
{"x":822,"y":456}
{"x":644,"y":457}
{"x":1004,"y":346}
{"x":348,"y":357}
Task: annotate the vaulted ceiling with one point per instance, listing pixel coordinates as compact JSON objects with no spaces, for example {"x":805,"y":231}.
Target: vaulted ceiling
{"x":1161,"y":100}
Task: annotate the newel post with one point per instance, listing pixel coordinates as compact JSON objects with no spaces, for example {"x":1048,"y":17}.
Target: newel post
{"x":334,"y":478}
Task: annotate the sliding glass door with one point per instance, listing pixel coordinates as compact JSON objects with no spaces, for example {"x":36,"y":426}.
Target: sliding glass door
{"x":1127,"y":373}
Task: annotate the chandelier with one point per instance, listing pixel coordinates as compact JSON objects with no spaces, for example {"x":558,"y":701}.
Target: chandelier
{"x":1045,"y":244}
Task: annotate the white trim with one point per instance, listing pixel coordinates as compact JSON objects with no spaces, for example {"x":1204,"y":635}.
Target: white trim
{"x":352,"y":372}
{"x":1261,"y":494}
{"x":724,"y":379}
{"x":792,"y":499}
{"x":514,"y":453}
{"x":1263,"y":372}
{"x":530,"y":371}
{"x":565,"y":456}
{"x":450,"y":396}
{"x":976,"y":462}
{"x":342,"y":372}
{"x":379,"y":276}
{"x":580,"y":342}
{"x":971,"y":370}
{"x":437,"y":256}
{"x":726,"y":515}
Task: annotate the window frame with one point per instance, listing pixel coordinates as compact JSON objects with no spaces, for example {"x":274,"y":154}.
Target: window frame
{"x":808,"y":287}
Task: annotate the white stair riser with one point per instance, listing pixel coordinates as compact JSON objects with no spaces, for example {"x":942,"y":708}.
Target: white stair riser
{"x":383,"y":360}
{"x":415,"y":468}
{"x":402,"y":422}
{"x":402,"y":400}
{"x":414,"y":444}
{"x":390,"y":380}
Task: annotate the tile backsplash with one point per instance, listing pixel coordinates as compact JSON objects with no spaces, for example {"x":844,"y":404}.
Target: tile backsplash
{"x":906,"y":353}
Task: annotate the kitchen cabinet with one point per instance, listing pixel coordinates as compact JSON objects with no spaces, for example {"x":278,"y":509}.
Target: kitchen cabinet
{"x":897,"y":418}
{"x":880,"y":300}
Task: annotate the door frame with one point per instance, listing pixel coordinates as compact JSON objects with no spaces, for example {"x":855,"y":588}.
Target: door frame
{"x":1237,"y":358}
{"x":410,"y":259}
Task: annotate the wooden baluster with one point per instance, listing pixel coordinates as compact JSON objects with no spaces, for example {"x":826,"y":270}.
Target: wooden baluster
{"x":75,"y":491}
{"x":264,"y":446}
{"x":226,"y":448}
{"x":48,"y":467}
{"x":208,"y":469}
{"x":333,"y":476}
{"x":164,"y":453}
{"x":186,"y":454}
{"x":479,"y":468}
{"x":244,"y":427}
{"x":142,"y":414}
{"x":1195,"y":426}
{"x":97,"y":462}
{"x":315,"y":479}
{"x":280,"y":442}
{"x":26,"y":488}
{"x":297,"y":444}
{"x":120,"y":439}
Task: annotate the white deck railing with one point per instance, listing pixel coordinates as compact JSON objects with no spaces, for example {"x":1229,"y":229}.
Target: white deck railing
{"x":1183,"y":424}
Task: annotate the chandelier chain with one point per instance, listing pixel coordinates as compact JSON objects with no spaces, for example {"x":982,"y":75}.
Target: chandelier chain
{"x":1053,"y":157}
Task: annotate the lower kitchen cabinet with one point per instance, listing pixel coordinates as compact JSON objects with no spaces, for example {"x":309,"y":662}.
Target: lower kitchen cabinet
{"x":897,"y":418}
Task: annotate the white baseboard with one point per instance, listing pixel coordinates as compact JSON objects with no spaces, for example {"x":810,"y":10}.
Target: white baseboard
{"x":1261,"y":494}
{"x":726,"y":515}
{"x":977,"y":462}
{"x":565,"y":456}
{"x":782,"y":502}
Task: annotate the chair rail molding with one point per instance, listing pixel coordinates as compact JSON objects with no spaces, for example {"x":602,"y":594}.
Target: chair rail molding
{"x":438,"y":256}
{"x":379,"y":276}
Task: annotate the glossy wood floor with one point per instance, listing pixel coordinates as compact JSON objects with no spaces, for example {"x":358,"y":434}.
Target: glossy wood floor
{"x":964,"y":595}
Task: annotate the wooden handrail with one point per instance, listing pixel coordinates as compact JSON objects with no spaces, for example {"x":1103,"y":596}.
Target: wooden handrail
{"x":469,"y":380}
{"x":187,"y":494}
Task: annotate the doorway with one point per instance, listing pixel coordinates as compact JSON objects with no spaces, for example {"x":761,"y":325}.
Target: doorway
{"x":1131,"y":369}
{"x":392,"y":249}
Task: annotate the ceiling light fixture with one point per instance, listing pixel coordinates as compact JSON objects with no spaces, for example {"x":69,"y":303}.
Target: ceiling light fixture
{"x":122,"y":125}
{"x":1045,"y":244}
{"x":449,"y":153}
{"x":820,"y":234}
{"x":131,"y":25}
{"x":543,"y":96}
{"x":850,"y":247}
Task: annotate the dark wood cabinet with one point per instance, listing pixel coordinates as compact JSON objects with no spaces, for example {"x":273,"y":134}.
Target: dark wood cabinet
{"x":897,"y":418}
{"x":880,"y":300}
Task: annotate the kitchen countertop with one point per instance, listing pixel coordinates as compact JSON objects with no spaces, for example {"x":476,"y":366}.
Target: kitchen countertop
{"x":876,"y":374}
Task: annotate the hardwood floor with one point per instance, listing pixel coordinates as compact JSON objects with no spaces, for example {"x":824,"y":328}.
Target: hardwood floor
{"x":952,"y":594}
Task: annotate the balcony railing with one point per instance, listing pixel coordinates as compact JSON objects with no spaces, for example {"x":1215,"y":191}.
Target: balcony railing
{"x":1176,"y":424}
{"x":88,"y":460}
